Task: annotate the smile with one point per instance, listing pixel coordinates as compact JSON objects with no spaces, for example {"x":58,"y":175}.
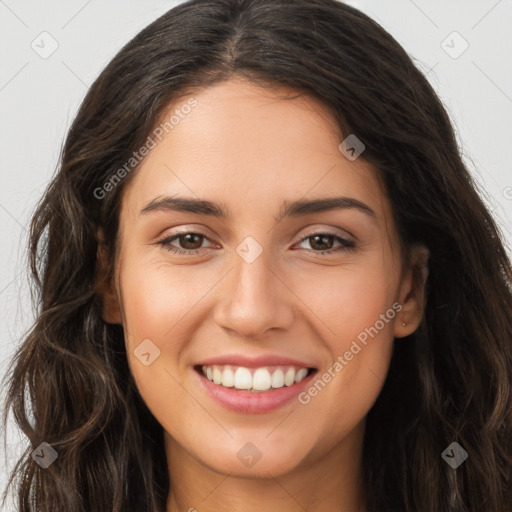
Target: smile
{"x":254,"y":379}
{"x":253,"y":390}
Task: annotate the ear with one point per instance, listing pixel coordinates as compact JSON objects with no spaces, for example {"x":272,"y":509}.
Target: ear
{"x":104,"y":284}
{"x":412,"y":292}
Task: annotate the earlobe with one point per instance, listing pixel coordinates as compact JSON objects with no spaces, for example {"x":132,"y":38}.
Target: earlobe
{"x":104,"y":284}
{"x":412,"y":292}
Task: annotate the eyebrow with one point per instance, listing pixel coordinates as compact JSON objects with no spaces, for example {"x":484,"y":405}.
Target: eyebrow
{"x":288,"y":209}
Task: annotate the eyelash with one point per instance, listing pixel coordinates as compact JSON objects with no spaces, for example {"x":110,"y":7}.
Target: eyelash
{"x":346,"y":245}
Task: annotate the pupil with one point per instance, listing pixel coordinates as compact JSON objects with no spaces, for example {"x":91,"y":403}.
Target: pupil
{"x":323,"y":239}
{"x":188,"y":241}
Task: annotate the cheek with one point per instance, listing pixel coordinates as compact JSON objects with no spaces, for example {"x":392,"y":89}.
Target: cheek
{"x":354,"y":314}
{"x":347,"y":299}
{"x":157,"y":298}
{"x":156,"y":303}
{"x":165,"y":305}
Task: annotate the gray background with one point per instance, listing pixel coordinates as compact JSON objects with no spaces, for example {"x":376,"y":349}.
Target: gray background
{"x":39,"y":97}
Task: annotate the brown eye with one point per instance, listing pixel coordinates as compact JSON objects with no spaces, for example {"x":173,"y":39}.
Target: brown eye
{"x":323,"y":243}
{"x":190,"y":240}
{"x":188,"y":243}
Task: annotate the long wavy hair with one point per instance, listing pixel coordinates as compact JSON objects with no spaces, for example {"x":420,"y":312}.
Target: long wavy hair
{"x":69,"y":384}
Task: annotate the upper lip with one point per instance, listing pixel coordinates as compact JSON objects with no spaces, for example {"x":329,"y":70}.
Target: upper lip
{"x":254,"y":362}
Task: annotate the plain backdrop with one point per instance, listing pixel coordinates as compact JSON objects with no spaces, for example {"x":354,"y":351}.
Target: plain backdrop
{"x":464,"y":47}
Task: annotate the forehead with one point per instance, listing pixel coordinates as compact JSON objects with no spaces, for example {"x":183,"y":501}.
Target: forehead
{"x":252,"y":148}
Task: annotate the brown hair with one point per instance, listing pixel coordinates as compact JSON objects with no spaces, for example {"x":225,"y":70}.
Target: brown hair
{"x":69,"y":383}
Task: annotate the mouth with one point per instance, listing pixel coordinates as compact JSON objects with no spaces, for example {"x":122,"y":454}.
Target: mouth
{"x":253,"y":389}
{"x":254,"y":380}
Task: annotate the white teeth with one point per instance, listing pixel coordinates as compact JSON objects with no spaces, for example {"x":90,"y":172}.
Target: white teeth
{"x":228,"y":378}
{"x":278,"y":378}
{"x":259,"y":379}
{"x":243,"y":378}
{"x":217,"y":375}
{"x":289,"y":377}
{"x":300,"y":374}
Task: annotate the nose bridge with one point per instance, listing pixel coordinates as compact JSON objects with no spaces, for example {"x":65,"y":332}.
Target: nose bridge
{"x":253,"y":270}
{"x":256,"y":299}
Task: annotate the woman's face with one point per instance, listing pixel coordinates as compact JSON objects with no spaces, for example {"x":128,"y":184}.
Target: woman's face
{"x":265,"y":289}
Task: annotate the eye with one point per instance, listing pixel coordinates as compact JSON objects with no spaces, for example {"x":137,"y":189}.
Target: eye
{"x":322,"y":243}
{"x":190,"y":241}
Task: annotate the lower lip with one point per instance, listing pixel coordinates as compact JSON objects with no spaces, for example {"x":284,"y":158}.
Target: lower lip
{"x":254,"y":403}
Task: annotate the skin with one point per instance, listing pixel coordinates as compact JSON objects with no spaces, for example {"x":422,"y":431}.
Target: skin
{"x":250,"y":149}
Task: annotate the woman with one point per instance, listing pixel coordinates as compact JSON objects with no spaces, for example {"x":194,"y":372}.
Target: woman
{"x":266,"y":282}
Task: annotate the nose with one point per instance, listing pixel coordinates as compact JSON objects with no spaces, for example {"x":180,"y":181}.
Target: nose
{"x":255,"y":298}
